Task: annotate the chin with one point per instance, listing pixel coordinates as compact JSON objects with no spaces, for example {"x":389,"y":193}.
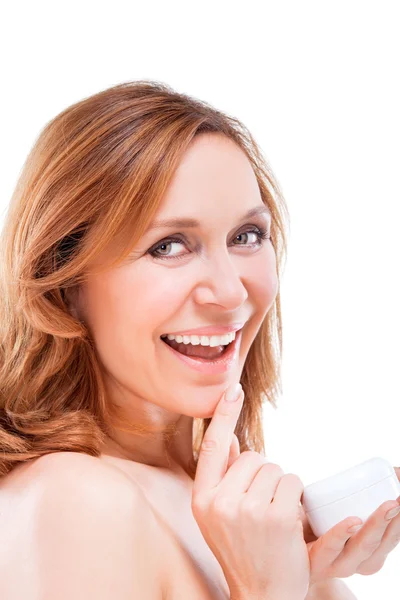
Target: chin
{"x":205,"y":412}
{"x":200,"y":415}
{"x":206,"y":415}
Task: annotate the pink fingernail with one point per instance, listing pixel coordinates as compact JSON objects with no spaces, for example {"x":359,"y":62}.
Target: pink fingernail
{"x":392,"y":513}
{"x":354,"y":528}
{"x":233,"y":393}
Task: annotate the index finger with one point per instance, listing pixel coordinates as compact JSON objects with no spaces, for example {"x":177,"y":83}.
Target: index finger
{"x":214,"y":452}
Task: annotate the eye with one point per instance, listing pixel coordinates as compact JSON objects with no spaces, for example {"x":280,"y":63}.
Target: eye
{"x":247,"y":233}
{"x":260,"y":233}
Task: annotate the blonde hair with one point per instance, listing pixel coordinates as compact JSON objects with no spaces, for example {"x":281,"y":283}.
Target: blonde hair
{"x":97,"y":174}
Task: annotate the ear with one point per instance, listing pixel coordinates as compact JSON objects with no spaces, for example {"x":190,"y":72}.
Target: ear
{"x":72,"y":300}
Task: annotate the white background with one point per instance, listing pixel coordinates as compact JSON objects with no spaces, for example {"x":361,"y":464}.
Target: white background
{"x":317,"y":83}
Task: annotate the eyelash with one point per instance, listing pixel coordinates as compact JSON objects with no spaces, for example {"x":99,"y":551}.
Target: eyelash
{"x":261,"y":232}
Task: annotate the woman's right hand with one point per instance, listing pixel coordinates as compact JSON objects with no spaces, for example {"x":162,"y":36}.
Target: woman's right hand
{"x":249,"y":515}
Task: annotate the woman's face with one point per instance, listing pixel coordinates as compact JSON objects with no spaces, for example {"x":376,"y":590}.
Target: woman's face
{"x":217,"y":273}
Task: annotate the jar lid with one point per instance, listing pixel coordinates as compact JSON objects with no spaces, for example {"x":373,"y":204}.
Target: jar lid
{"x":346,"y":482}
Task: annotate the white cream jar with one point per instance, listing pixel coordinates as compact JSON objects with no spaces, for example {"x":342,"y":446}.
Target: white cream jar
{"x":356,"y":492}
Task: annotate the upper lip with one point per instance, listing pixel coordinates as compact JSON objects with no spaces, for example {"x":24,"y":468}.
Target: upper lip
{"x":209,"y":330}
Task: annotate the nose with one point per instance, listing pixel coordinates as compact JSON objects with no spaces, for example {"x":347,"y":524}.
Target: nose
{"x":221,"y":283}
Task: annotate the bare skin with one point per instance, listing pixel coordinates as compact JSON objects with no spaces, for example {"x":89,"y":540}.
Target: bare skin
{"x":193,"y":571}
{"x":223,"y":276}
{"x":188,"y":568}
{"x":217,"y":281}
{"x":217,"y":274}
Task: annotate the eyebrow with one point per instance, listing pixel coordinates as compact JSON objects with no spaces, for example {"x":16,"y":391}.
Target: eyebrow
{"x":187,"y":223}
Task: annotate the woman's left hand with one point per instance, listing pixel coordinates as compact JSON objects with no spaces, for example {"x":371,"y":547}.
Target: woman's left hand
{"x":340,"y":554}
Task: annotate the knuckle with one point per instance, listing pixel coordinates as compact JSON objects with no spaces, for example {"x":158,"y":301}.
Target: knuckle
{"x":208,"y":446}
{"x":370,"y":545}
{"x":273,"y":468}
{"x":370,"y":567}
{"x":251,"y":455}
{"x":252,"y":508}
{"x":199,"y":504}
{"x":346,"y":571}
{"x":279,"y":519}
{"x":395,"y":539}
{"x":293,"y":478}
{"x":257,"y":459}
{"x":248,"y":453}
{"x":224,"y":507}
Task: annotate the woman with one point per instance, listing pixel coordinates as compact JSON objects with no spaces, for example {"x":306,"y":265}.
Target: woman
{"x":145,"y":225}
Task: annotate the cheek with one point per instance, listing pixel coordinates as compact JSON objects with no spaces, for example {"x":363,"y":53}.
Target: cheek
{"x":127,"y":309}
{"x":163,"y":295}
{"x":266,"y":290}
{"x":262,"y":281}
{"x":129,"y":305}
{"x":262,"y":284}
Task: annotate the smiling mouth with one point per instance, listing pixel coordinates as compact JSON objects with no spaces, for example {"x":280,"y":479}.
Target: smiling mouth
{"x":199,"y":351}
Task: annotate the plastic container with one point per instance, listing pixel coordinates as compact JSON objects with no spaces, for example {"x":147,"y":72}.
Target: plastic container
{"x":356,"y":492}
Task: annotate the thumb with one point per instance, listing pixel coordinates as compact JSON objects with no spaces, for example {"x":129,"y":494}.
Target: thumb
{"x":234,"y":451}
{"x":308,"y":534}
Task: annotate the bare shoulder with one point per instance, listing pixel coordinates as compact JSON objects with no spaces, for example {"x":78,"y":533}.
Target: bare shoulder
{"x":63,"y":468}
{"x":90,"y":533}
{"x":63,"y":465}
{"x":65,"y":479}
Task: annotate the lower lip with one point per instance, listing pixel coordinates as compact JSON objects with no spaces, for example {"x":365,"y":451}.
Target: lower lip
{"x":219,"y":365}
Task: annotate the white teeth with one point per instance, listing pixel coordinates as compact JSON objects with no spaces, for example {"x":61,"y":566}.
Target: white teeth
{"x":203,"y":340}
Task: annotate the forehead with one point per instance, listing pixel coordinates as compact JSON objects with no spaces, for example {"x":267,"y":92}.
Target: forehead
{"x":214,"y":175}
{"x":189,"y":222}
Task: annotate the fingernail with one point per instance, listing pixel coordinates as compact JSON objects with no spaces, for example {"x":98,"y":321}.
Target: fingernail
{"x":392,"y":513}
{"x":354,"y":528}
{"x":233,"y":392}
